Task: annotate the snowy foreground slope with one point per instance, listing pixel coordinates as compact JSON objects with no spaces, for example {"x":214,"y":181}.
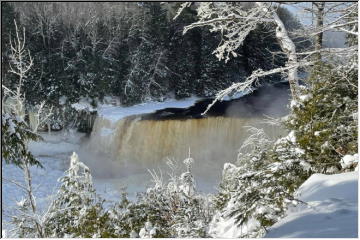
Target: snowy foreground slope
{"x":331,"y":210}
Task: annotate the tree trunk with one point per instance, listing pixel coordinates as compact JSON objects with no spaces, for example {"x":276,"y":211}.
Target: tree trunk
{"x":319,"y":25}
{"x":288,"y":46}
{"x":28,"y":180}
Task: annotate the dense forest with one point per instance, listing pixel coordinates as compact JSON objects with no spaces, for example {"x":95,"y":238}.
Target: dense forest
{"x":134,"y":51}
{"x":132,"y":66}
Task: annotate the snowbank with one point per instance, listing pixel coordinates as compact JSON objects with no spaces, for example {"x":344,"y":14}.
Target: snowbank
{"x":332,"y":209}
{"x":115,"y":113}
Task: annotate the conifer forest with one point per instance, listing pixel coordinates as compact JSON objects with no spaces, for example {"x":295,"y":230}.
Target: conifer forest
{"x":179,"y":119}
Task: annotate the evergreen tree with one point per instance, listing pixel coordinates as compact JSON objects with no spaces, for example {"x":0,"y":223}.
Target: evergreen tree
{"x":174,"y":209}
{"x":257,"y":190}
{"x":217,"y":75}
{"x":324,"y":118}
{"x":184,"y":74}
{"x":147,"y":53}
{"x":15,"y":135}
{"x":76,"y":210}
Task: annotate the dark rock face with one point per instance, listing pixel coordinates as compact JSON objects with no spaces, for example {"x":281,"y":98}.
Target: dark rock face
{"x":266,"y":100}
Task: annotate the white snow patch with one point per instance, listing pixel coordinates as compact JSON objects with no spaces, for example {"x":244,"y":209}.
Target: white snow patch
{"x":291,"y":137}
{"x":83,"y":104}
{"x":62,"y":100}
{"x":331,"y":210}
{"x":303,"y":98}
{"x":221,"y":227}
{"x":294,"y":103}
{"x":349,"y":160}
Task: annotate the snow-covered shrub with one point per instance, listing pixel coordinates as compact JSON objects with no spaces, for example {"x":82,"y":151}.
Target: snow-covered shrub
{"x":323,"y":134}
{"x":24,"y":220}
{"x":77,"y":211}
{"x":15,"y":135}
{"x":172,"y":209}
{"x":324,"y":118}
{"x":148,"y":231}
{"x":259,"y":188}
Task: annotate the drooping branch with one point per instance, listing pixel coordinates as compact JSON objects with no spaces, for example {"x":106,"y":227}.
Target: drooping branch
{"x":251,"y":80}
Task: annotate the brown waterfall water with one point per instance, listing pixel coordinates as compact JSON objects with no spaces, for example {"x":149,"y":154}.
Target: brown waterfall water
{"x":130,"y":146}
{"x":121,"y":151}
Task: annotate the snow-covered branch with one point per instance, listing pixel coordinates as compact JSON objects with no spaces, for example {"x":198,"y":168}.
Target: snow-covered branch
{"x":235,"y":21}
{"x":257,"y":138}
{"x":181,"y":8}
{"x":252,"y":79}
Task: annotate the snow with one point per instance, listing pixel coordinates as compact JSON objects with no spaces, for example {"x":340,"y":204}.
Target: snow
{"x":331,"y":209}
{"x":62,"y":100}
{"x":238,"y":94}
{"x":294,"y":104}
{"x":115,"y":113}
{"x":83,"y":104}
{"x":291,"y":138}
{"x":227,"y":228}
{"x":305,"y":97}
{"x":349,"y":160}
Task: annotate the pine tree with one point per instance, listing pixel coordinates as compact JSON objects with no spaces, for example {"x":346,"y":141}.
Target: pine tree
{"x":77,"y":211}
{"x":324,"y":119}
{"x":257,"y":190}
{"x":184,"y":73}
{"x":15,"y":135}
{"x":172,"y":209}
{"x":215,"y":75}
{"x":147,"y":56}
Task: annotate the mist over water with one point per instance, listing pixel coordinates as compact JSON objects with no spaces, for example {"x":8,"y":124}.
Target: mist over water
{"x":121,"y":152}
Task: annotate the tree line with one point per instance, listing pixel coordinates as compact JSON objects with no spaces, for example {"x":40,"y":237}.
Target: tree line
{"x":134,"y":51}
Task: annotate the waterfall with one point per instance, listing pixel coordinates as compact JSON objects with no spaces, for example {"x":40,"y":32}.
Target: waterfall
{"x":136,"y":143}
{"x":121,"y":151}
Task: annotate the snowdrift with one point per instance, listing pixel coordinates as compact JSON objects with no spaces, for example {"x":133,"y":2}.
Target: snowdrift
{"x":331,"y":210}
